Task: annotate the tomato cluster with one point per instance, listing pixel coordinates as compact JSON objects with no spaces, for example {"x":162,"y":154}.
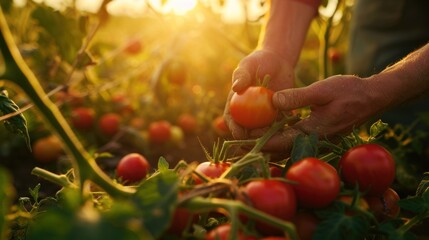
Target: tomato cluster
{"x":295,"y":192}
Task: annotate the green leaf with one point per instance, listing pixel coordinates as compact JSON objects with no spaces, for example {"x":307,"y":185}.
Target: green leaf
{"x":16,"y":124}
{"x":390,"y":230}
{"x":416,"y":204}
{"x":377,"y":128}
{"x":156,"y":198}
{"x":163,"y":164}
{"x":423,"y":185}
{"x":63,"y":30}
{"x":339,"y":226}
{"x":35,"y":192}
{"x":68,"y":221}
{"x":304,"y":146}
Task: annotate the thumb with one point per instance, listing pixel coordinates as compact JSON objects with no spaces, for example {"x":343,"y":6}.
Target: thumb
{"x":242,"y":79}
{"x":294,"y":98}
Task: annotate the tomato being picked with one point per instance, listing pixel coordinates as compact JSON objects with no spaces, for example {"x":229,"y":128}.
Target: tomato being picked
{"x":370,"y":166}
{"x":253,"y":108}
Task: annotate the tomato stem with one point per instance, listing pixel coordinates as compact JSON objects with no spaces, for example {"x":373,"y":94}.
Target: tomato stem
{"x":228,"y":144}
{"x":413,"y":222}
{"x":234,"y":208}
{"x":61,"y":180}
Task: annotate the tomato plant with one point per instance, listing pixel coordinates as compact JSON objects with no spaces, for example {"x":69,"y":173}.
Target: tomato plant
{"x":253,"y":108}
{"x":159,"y":131}
{"x":273,"y":197}
{"x":82,"y":118}
{"x":385,"y":206}
{"x":210,"y":169}
{"x":109,"y":124}
{"x":318,"y":183}
{"x":370,"y":166}
{"x":47,"y":149}
{"x":132,"y":167}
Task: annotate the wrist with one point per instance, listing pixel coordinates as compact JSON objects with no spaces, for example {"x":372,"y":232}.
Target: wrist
{"x":286,"y":28}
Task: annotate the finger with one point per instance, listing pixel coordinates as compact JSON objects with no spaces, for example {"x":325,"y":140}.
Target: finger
{"x":294,"y":98}
{"x":242,"y":77}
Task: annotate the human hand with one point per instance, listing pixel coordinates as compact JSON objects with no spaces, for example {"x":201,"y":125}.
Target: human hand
{"x":337,"y":104}
{"x":255,"y":67}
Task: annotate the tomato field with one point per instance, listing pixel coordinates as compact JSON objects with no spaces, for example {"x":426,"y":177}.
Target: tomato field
{"x":113,"y":129}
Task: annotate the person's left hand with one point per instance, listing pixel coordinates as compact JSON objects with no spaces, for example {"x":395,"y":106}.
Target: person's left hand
{"x":255,"y":67}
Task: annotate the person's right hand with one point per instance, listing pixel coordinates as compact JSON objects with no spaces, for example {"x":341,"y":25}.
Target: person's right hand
{"x":338,"y":104}
{"x":255,"y":67}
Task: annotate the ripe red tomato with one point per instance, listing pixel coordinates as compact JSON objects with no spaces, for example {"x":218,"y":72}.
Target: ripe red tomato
{"x":132,"y":167}
{"x":222,"y":232}
{"x":370,"y":166}
{"x":159,"y":131}
{"x":181,"y":218}
{"x":273,"y":197}
{"x":385,"y":206}
{"x":47,"y":149}
{"x":276,"y":171}
{"x":187,"y":122}
{"x":220,"y":127}
{"x":318,"y":183}
{"x":253,"y":108}
{"x":134,"y":46}
{"x":122,"y":105}
{"x":211,"y":170}
{"x":305,"y":224}
{"x":82,"y":118}
{"x":177,"y":73}
{"x":109,"y":124}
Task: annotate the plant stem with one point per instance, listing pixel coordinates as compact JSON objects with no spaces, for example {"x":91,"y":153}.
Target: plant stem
{"x":18,"y":72}
{"x":234,"y":208}
{"x":61,"y":180}
{"x":413,"y":221}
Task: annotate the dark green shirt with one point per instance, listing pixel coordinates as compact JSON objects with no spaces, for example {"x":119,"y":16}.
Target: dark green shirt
{"x":383,"y":32}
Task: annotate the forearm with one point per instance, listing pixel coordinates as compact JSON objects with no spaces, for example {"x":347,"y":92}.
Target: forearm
{"x":406,"y":80}
{"x":286,"y":28}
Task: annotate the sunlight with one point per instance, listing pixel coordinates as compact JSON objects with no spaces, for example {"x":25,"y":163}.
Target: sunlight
{"x":180,"y":7}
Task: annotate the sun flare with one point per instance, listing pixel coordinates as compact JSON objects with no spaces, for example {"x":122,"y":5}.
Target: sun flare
{"x":180,"y":7}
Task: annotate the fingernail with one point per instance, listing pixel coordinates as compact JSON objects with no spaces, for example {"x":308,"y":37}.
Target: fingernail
{"x":236,"y":86}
